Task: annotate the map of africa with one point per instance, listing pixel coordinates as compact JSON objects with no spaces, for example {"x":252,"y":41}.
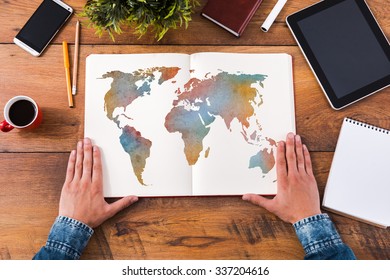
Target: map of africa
{"x":229,"y":96}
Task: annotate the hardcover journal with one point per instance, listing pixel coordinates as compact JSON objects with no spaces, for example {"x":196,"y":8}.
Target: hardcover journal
{"x":232,"y":15}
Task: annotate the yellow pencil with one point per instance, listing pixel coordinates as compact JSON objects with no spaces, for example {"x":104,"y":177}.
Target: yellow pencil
{"x":67,"y":72}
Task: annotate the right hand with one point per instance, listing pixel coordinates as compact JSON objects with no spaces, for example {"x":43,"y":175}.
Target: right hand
{"x":297,"y":194}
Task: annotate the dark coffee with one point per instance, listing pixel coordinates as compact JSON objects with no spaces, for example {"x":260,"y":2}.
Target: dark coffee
{"x":22,"y":113}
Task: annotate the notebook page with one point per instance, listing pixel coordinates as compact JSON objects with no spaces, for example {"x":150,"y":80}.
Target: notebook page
{"x":127,"y":98}
{"x":359,"y":179}
{"x":250,"y":110}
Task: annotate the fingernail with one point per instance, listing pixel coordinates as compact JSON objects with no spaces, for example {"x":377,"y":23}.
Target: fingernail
{"x":73,"y":153}
{"x":290,"y":135}
{"x":297,"y":138}
{"x":281,"y":143}
{"x":80,"y":144}
{"x":87,"y":141}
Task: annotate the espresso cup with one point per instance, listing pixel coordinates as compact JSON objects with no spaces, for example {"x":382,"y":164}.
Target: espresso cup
{"x":21,"y":112}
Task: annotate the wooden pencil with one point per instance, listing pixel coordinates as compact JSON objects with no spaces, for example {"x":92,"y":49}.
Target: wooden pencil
{"x":76,"y":58}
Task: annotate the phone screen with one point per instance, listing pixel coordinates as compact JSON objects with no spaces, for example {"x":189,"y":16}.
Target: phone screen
{"x":43,"y":25}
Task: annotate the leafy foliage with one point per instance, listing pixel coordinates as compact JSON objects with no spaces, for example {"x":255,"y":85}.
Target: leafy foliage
{"x":158,"y":15}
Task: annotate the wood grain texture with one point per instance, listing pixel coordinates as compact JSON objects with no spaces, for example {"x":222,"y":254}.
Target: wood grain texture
{"x":158,"y":228}
{"x":200,"y":31}
{"x":34,"y":162}
{"x":44,"y":80}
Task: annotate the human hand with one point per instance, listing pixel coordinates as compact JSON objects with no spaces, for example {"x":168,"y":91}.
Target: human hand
{"x":297,"y":196}
{"x":82,"y":194}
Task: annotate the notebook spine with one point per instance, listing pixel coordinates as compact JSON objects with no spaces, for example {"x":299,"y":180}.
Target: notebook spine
{"x":369,"y":126}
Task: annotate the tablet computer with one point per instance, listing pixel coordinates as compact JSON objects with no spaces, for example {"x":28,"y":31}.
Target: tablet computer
{"x":345,"y":48}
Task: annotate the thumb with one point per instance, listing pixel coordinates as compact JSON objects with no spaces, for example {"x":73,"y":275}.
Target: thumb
{"x":122,"y":203}
{"x":258,"y":200}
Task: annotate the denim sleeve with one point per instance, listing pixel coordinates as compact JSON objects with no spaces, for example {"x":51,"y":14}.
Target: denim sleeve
{"x":320,"y":239}
{"x":67,"y":240}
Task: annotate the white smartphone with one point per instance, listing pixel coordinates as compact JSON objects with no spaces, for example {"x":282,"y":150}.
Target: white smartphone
{"x":42,"y":26}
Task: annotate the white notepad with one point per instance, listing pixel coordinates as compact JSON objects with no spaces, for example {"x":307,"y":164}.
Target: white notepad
{"x":358,"y":185}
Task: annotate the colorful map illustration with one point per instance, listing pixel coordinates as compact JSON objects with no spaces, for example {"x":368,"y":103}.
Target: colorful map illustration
{"x":230,"y":96}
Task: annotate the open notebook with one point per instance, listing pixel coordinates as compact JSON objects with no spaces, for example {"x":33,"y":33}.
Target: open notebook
{"x":180,"y":125}
{"x":359,"y":180}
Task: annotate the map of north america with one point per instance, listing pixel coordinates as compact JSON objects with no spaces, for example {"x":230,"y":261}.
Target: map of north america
{"x":198,"y":103}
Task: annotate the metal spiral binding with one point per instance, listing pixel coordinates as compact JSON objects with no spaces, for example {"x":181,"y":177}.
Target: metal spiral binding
{"x":379,"y":129}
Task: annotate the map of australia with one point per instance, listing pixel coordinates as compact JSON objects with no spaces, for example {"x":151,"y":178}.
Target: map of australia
{"x":230,"y":96}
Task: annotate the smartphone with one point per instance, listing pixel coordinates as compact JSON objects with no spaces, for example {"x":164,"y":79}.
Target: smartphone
{"x":42,"y":26}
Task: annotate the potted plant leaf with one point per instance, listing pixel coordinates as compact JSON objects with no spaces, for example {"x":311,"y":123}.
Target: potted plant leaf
{"x":158,"y":16}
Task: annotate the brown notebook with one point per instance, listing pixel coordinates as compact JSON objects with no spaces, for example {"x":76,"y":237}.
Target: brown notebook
{"x":233,"y":15}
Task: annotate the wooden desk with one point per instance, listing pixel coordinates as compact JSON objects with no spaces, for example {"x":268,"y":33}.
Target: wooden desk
{"x":33,"y":164}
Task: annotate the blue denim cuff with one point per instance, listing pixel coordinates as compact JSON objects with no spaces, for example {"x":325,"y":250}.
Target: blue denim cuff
{"x":69,"y":236}
{"x":317,"y":233}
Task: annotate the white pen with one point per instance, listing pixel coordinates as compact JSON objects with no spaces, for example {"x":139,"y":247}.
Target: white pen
{"x":273,"y":14}
{"x":76,"y":58}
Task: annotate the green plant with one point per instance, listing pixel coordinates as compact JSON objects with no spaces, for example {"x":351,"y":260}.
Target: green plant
{"x":157,"y":15}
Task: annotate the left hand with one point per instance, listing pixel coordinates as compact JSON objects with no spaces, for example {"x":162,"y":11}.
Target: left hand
{"x":82,"y":194}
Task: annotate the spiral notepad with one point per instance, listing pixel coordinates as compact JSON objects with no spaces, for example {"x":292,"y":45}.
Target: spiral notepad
{"x":358,"y":185}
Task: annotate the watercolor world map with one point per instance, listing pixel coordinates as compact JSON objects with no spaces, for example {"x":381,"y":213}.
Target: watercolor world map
{"x":198,"y":104}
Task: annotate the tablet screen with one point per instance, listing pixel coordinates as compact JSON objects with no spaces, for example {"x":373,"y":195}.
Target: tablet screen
{"x":345,"y":47}
{"x":347,"y":50}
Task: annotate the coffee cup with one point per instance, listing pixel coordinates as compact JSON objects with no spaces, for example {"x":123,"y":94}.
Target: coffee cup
{"x":21,"y":112}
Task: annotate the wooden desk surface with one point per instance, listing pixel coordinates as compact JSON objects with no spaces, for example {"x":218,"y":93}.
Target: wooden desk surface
{"x":33,"y":163}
